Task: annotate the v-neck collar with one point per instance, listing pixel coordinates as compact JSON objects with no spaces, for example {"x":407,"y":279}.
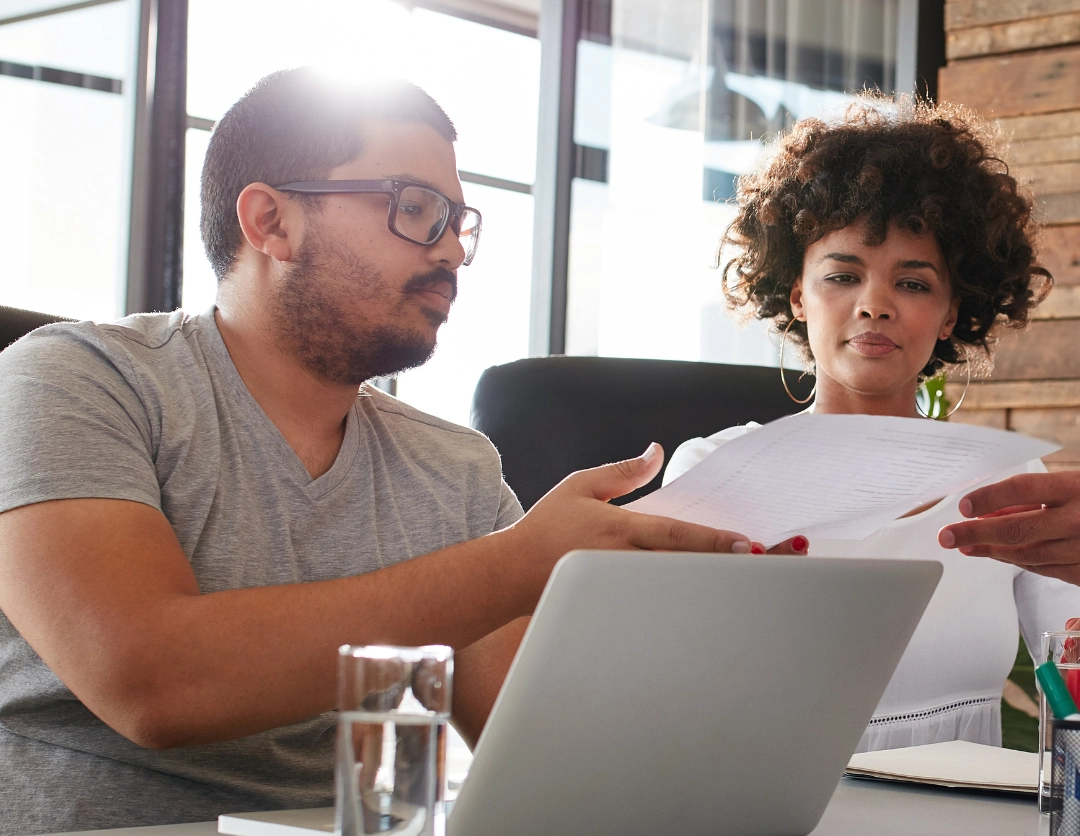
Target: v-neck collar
{"x":315,"y":489}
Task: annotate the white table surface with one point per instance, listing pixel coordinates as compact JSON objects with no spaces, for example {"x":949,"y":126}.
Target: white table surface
{"x":861,"y":807}
{"x":858,"y":808}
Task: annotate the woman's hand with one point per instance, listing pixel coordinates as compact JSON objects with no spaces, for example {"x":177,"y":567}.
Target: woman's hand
{"x":796,"y":545}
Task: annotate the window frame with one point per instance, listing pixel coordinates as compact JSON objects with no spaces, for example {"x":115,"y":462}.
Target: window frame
{"x":563,"y":25}
{"x":156,"y":248}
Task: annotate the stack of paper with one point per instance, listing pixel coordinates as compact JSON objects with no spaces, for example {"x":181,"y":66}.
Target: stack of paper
{"x":317,"y":821}
{"x":836,"y":477}
{"x":953,"y":764}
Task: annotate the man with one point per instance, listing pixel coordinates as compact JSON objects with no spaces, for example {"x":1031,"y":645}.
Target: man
{"x":195,"y":512}
{"x":1031,"y":520}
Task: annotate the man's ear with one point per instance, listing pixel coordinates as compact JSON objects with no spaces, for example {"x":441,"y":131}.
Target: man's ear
{"x":795,"y":299}
{"x":271,"y":223}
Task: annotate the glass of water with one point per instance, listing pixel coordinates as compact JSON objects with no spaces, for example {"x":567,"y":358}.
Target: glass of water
{"x":1063,"y":648}
{"x":393,"y":704}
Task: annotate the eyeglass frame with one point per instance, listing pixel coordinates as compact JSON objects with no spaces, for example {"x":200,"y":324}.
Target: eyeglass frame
{"x":393,"y":188}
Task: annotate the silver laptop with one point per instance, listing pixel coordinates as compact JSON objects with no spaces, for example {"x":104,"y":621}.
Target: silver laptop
{"x":659,"y":693}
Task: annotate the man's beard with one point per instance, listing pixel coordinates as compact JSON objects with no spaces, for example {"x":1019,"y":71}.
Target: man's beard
{"x":313,"y":323}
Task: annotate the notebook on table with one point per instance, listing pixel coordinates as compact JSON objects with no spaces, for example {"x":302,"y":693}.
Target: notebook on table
{"x":957,"y":763}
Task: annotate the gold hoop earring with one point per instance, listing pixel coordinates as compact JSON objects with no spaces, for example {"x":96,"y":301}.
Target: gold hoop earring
{"x":783,"y":342}
{"x":967,"y":384}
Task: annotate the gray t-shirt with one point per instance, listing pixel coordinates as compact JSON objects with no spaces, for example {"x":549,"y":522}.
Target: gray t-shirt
{"x":152,"y":409}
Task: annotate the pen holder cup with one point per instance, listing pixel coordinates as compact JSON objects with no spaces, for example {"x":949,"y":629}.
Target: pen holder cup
{"x":1065,"y":779}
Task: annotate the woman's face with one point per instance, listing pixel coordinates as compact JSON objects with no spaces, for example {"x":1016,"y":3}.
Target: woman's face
{"x":873,"y":315}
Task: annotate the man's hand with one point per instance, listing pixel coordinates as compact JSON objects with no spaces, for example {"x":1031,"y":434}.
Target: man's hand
{"x":575,"y":515}
{"x":1031,"y":520}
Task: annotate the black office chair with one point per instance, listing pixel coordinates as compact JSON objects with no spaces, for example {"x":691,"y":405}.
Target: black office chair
{"x":550,"y":416}
{"x":15,"y":323}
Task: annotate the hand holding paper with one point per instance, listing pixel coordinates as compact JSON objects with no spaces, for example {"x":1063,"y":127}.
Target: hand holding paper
{"x":835,"y":476}
{"x":1030,"y":520}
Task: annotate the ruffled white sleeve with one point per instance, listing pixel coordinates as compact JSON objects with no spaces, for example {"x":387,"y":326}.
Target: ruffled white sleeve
{"x":689,"y":453}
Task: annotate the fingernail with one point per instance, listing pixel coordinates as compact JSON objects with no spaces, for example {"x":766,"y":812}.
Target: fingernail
{"x":800,"y":544}
{"x":946,"y":539}
{"x":651,"y":452}
{"x":757,"y":548}
{"x":965,"y":507}
{"x":740,"y":547}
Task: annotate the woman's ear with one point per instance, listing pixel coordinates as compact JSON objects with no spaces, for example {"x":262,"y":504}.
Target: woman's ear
{"x":266,"y":220}
{"x":950,"y":321}
{"x":795,"y":300}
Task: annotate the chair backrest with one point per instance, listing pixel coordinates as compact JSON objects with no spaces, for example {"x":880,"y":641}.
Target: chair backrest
{"x":550,"y":416}
{"x":15,"y":323}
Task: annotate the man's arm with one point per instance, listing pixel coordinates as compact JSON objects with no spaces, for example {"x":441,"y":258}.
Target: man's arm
{"x":1031,"y":520}
{"x":103,"y":592}
{"x":479,"y":671}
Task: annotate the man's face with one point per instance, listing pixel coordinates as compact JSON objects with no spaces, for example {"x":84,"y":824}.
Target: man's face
{"x":358,"y":301}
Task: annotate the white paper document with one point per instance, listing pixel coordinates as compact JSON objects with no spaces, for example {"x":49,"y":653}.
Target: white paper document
{"x":317,"y":821}
{"x":953,"y":764}
{"x":836,"y":477}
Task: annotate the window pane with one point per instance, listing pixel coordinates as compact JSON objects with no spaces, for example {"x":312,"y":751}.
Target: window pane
{"x":99,"y":40}
{"x":681,"y":101}
{"x":488,"y":82}
{"x":68,"y":154}
{"x":227,"y":44}
{"x":200,"y":283}
{"x":489,"y":322}
{"x":490,"y":90}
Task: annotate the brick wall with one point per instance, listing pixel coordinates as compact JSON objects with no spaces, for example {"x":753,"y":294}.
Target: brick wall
{"x":1018,"y":61}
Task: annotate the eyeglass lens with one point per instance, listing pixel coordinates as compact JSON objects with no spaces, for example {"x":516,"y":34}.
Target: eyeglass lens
{"x":469,"y":233}
{"x":422,"y":215}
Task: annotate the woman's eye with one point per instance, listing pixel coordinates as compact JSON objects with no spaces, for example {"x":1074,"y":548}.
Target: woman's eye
{"x":842,"y":278}
{"x":410,"y":208}
{"x":917,"y":287}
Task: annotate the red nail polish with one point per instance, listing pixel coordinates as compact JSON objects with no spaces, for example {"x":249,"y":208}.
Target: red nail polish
{"x":799,"y":543}
{"x":756,"y":549}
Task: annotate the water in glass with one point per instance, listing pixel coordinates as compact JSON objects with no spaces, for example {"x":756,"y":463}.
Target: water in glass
{"x":390,"y":773}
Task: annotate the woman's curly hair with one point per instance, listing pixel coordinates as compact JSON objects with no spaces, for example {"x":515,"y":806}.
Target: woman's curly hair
{"x":923,"y":167}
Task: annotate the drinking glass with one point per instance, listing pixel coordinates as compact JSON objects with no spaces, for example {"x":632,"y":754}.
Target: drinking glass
{"x":393,"y":704}
{"x":1063,"y":648}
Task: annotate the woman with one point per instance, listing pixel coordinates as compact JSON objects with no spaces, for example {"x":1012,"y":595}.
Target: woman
{"x":886,"y":246}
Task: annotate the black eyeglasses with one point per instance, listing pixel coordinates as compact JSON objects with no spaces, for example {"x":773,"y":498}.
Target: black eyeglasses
{"x":418,"y":213}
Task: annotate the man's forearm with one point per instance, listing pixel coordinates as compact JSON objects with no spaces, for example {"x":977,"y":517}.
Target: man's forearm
{"x":479,"y":671}
{"x":102,"y":591}
{"x":175,"y":667}
{"x":276,"y":635}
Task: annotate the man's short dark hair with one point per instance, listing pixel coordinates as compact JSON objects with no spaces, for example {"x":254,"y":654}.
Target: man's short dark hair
{"x":296,"y":125}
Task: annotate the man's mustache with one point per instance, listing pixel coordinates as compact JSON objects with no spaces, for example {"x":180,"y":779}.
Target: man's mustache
{"x":428,"y":281}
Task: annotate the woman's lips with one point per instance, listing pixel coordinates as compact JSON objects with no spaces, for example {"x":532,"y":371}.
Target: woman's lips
{"x":873,"y":344}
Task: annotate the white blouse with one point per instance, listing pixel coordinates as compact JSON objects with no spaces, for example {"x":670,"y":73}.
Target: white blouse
{"x":949,"y":681}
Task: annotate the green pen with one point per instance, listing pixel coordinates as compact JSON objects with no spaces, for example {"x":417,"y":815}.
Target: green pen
{"x":1057,"y":695}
